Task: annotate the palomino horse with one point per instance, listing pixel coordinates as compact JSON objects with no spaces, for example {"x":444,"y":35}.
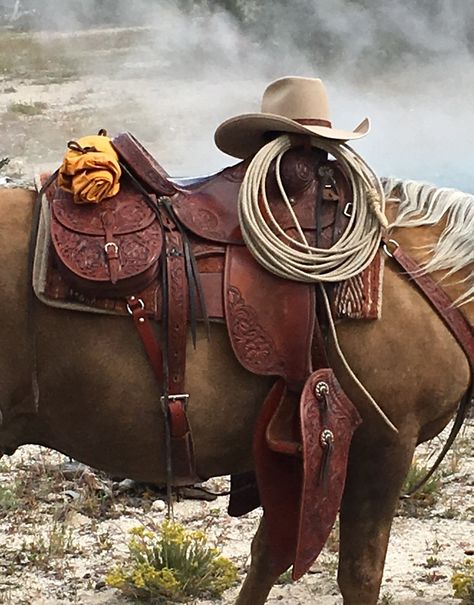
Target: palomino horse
{"x":97,"y":399}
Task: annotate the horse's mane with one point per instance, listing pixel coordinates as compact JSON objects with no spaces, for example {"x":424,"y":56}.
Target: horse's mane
{"x":423,"y":204}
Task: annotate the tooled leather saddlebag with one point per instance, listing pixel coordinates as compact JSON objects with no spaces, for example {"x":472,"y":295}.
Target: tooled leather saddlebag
{"x":111,"y":249}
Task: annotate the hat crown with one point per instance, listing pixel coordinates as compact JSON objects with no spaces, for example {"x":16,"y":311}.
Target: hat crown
{"x":297,"y":98}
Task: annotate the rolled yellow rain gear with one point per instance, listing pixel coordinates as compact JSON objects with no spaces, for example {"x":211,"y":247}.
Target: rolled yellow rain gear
{"x":90,"y":170}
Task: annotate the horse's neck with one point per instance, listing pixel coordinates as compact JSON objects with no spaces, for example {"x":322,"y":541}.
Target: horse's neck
{"x":419,"y":242}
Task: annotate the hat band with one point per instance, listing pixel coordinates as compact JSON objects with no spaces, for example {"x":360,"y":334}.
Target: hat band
{"x":313,"y":122}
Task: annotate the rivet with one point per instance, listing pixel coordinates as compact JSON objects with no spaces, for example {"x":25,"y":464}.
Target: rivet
{"x":141,"y":320}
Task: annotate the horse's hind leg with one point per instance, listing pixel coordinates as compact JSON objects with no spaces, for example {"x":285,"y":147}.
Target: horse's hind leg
{"x":260,"y":578}
{"x":375,"y":477}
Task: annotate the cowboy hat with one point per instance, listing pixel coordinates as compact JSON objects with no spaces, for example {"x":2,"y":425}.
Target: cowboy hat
{"x":292,"y":104}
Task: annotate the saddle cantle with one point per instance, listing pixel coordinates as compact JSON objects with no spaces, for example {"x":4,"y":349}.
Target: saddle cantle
{"x":107,"y":249}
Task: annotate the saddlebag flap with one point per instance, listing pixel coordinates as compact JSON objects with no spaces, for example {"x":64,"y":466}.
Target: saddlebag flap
{"x":106,"y":249}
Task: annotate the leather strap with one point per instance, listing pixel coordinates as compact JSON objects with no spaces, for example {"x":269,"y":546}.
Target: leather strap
{"x":171,"y":377}
{"x":145,"y":331}
{"x":111,"y":247}
{"x":182,"y":449}
{"x":177,"y":311}
{"x":141,"y":162}
{"x":459,"y":327}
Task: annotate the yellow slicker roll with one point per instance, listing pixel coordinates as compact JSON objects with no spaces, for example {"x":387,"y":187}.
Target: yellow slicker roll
{"x":91,"y":175}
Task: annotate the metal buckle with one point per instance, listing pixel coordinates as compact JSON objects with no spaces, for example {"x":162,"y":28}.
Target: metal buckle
{"x":348,"y":208}
{"x":111,"y":245}
{"x":386,"y":249}
{"x":138,"y":301}
{"x":169,"y":398}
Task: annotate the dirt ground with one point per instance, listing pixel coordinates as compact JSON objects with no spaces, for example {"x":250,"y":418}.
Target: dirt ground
{"x":63,"y":528}
{"x":60,"y":533}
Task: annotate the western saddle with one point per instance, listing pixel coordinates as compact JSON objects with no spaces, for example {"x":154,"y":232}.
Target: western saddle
{"x":185,"y":244}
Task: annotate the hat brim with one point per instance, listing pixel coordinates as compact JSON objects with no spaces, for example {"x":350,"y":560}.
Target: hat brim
{"x":244,"y":135}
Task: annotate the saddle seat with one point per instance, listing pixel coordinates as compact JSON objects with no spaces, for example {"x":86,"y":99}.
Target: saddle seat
{"x":210,"y":210}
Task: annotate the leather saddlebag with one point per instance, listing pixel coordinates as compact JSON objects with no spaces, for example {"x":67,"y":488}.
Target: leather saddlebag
{"x":110,"y":249}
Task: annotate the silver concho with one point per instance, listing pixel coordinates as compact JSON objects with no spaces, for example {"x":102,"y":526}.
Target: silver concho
{"x":326,"y":438}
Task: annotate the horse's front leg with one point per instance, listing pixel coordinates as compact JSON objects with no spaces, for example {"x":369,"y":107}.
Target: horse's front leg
{"x":374,"y":480}
{"x":260,"y":578}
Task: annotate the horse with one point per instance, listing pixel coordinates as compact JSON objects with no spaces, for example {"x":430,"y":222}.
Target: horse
{"x":96,"y":399}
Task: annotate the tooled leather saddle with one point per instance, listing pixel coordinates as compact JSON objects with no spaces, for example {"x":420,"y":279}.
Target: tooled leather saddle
{"x":184,"y":243}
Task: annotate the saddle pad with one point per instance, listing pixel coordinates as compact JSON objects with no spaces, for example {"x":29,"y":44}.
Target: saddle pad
{"x":360,"y":297}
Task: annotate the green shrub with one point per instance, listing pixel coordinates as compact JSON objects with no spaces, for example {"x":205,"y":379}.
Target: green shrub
{"x":8,"y":499}
{"x":171,"y":563}
{"x":463,"y":583}
{"x":424,"y":498}
{"x":417,"y":472}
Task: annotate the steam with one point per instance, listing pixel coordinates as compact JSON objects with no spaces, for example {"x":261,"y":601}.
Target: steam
{"x":408,"y":65}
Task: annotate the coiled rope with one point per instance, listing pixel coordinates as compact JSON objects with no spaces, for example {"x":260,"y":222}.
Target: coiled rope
{"x":295,"y":259}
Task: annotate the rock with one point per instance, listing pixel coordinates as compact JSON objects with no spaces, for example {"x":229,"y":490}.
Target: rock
{"x":75,"y":519}
{"x":71,"y":470}
{"x":158,"y":506}
{"x":127,"y":485}
{"x":73,"y":495}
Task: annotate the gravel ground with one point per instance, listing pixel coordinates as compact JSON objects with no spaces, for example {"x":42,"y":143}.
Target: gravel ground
{"x":63,"y":528}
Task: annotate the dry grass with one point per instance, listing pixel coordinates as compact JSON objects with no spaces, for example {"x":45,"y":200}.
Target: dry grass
{"x":33,"y":108}
{"x":58,"y":57}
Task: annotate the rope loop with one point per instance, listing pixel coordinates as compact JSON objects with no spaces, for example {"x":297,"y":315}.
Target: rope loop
{"x":293,"y":258}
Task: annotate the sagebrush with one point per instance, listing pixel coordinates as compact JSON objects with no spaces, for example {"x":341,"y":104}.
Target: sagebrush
{"x":171,"y":563}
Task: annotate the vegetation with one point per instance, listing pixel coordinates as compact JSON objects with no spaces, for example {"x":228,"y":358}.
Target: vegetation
{"x":171,"y":563}
{"x":387,"y":599}
{"x":463,"y":583}
{"x":424,"y":498}
{"x":44,"y":549}
{"x":33,"y":108}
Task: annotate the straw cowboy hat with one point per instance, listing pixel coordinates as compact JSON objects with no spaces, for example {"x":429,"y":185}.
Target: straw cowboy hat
{"x":291,"y":104}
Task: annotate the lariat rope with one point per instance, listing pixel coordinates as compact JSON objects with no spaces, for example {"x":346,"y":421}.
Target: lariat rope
{"x":295,"y":259}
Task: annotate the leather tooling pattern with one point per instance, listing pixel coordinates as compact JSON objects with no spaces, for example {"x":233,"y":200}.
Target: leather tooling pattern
{"x":251,"y":341}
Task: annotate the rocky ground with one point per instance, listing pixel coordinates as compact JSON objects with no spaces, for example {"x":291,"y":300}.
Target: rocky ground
{"x":63,"y":527}
{"x":61,"y":530}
